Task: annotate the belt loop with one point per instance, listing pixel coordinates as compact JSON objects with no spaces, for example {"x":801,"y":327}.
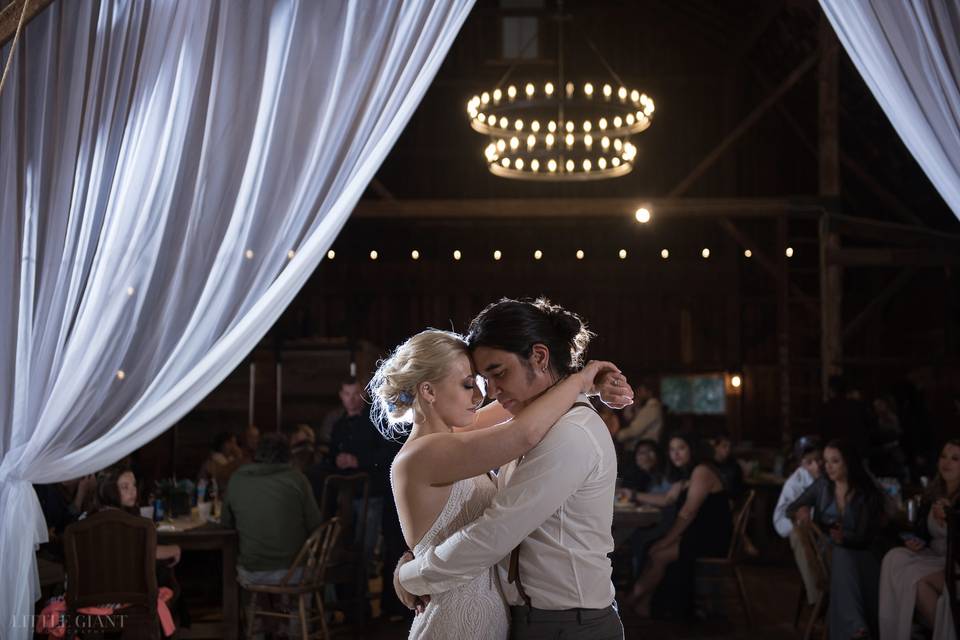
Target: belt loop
{"x":580,"y":616}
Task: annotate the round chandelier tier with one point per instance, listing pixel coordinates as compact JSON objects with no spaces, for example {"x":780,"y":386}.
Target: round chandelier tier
{"x":581,"y":133}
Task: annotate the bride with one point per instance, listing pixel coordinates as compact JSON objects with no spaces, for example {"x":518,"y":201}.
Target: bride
{"x":440,"y":477}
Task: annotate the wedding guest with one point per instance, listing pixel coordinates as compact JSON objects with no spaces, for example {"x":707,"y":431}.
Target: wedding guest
{"x":62,"y":503}
{"x":912,"y":577}
{"x":225,"y":457}
{"x":703,"y":528}
{"x":726,"y":464}
{"x":302,"y":447}
{"x":644,"y":473}
{"x":809,"y":452}
{"x":249,"y":442}
{"x":645,"y":418}
{"x":848,"y":505}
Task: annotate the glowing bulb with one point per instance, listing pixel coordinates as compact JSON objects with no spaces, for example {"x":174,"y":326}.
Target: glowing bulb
{"x":514,"y":143}
{"x":501,"y":146}
{"x":602,"y":163}
{"x":621,"y":93}
{"x":505,"y":162}
{"x":415,"y":254}
{"x":615,"y":162}
{"x":511,"y":92}
{"x":748,"y":254}
{"x":618,"y":144}
{"x":491,"y":151}
{"x":735,"y":382}
{"x":497,"y":255}
{"x":291,"y":254}
{"x":497,"y":94}
{"x":518,"y":125}
{"x":537,"y":254}
{"x":535,"y":126}
{"x":331,"y":254}
{"x":569,"y":139}
{"x":622,"y":254}
{"x":535,"y":164}
{"x":580,"y":254}
{"x":531,"y":140}
{"x":485,"y":97}
{"x":587,"y":125}
{"x":548,"y":88}
{"x":587,"y":165}
{"x":121,"y":375}
{"x":550,"y":140}
{"x":603,"y":123}
{"x":248,"y":254}
{"x":705,"y":253}
{"x":635,"y":95}
{"x":642,"y":215}
{"x":664,"y":254}
{"x":519,"y":164}
{"x":504,"y":122}
{"x":643,"y":98}
{"x":456,"y":254}
{"x":529,"y":89}
{"x":588,"y":89}
{"x":630,"y":119}
{"x":607,"y":91}
{"x":588,"y":140}
{"x":605,"y":142}
{"x":618,"y":122}
{"x":570,"y":125}
{"x":130,"y":291}
{"x":374,"y":255}
{"x":552,"y":165}
{"x":789,"y":252}
{"x":570,"y":166}
{"x":551,"y":126}
{"x":570,"y":89}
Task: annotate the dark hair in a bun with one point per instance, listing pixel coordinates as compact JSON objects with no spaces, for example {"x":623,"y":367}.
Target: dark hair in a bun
{"x":517,"y":325}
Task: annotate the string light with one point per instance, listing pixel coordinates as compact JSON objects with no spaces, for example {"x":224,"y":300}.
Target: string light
{"x":735,"y":382}
{"x":456,"y":254}
{"x":789,"y":252}
{"x":331,"y":254}
{"x":121,"y":375}
{"x":705,"y":253}
{"x":291,"y":254}
{"x":580,"y":254}
{"x":664,"y":253}
{"x":374,"y":255}
{"x":248,"y":254}
{"x":497,"y":255}
{"x":130,"y":291}
{"x":415,"y":254}
{"x":623,"y":254}
{"x":537,"y":254}
{"x":748,"y":254}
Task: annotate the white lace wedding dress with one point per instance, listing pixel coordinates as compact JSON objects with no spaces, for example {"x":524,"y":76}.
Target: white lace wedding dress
{"x":477,"y":610}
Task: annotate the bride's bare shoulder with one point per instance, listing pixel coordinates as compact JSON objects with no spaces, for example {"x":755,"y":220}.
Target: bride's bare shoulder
{"x":417,"y":454}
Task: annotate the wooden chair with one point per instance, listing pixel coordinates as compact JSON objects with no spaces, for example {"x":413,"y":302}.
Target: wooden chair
{"x":817,"y":550}
{"x":952,"y":570}
{"x":348,"y":562}
{"x":111,"y":558}
{"x":726,"y":571}
{"x":306,"y":578}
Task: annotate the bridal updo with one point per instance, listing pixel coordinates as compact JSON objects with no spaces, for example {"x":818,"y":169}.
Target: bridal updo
{"x":426,"y":357}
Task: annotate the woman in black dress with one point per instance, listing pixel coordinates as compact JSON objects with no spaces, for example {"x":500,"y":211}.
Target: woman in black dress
{"x":703,"y":528}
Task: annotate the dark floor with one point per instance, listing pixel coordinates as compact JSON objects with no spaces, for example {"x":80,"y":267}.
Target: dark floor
{"x":772,"y":590}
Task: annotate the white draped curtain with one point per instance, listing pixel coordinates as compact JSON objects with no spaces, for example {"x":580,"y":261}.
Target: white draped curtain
{"x":170,"y":175}
{"x":908,"y":52}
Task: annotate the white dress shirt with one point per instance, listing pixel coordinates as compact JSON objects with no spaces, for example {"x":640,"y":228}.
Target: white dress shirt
{"x":796,"y":484}
{"x":557,"y":504}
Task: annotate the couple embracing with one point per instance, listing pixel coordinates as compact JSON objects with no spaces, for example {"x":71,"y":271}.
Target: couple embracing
{"x":520,"y":553}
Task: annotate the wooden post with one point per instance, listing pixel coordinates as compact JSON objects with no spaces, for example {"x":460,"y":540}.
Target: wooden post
{"x":783,"y":333}
{"x":831,"y":301}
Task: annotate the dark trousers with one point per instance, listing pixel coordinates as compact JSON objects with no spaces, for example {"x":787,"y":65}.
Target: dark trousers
{"x":569,"y":624}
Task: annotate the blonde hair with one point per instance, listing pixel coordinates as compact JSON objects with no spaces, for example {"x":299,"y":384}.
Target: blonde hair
{"x":425,"y":357}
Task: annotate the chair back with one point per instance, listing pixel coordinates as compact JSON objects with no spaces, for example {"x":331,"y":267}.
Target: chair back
{"x":111,"y":558}
{"x":952,"y":569}
{"x":339,"y":492}
{"x":740,"y":526}
{"x":311,"y":562}
{"x":817,"y":547}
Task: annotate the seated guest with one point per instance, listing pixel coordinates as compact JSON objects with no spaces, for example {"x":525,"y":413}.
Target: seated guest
{"x":731,"y":473}
{"x":225,"y":456}
{"x":703,"y":528}
{"x":272,"y":507}
{"x":249,"y":440}
{"x":912,"y":577}
{"x":809,"y":452}
{"x":644,"y":474}
{"x":644,"y":419}
{"x":302,"y":447}
{"x":117,"y":489}
{"x":848,"y":505}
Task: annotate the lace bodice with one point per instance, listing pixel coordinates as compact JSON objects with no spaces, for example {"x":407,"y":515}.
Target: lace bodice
{"x":477,"y":610}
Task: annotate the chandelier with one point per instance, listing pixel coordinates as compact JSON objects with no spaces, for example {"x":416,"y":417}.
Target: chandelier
{"x":560,"y":130}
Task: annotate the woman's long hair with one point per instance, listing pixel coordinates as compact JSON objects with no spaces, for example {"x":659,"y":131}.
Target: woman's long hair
{"x":857,"y":477}
{"x":938,"y":487}
{"x":108,"y":489}
{"x":698,"y":455}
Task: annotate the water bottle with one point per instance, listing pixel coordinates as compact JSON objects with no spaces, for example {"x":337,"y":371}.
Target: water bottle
{"x":202,"y":490}
{"x":158,"y":512}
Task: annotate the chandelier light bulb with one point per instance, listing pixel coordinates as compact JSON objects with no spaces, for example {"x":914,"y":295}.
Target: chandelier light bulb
{"x":569,"y":140}
{"x":587,"y":165}
{"x":529,"y":89}
{"x":548,"y":88}
{"x":535,"y":165}
{"x":635,"y":95}
{"x":504,"y":122}
{"x":603,"y":123}
{"x":519,"y":164}
{"x":552,"y":165}
{"x":505,"y":162}
{"x":607,"y":91}
{"x":514,"y":143}
{"x":570,"y":125}
{"x":550,"y":140}
{"x":605,"y":142}
{"x":587,"y":125}
{"x":501,"y":146}
{"x":535,"y":126}
{"x":484,"y":97}
{"x":551,"y":126}
{"x":630,"y":119}
{"x":570,"y":166}
{"x":518,"y":124}
{"x":588,"y":89}
{"x":617,"y":144}
{"x":511,"y":92}
{"x":497,"y":94}
{"x":531,"y":141}
{"x":588,"y":140}
{"x":622,"y":93}
{"x":615,"y":162}
{"x":602,"y":163}
{"x":623,"y":254}
{"x":642,"y":215}
{"x":570,"y":89}
{"x":618,"y":122}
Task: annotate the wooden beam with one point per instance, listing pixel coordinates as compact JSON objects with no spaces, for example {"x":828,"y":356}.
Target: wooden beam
{"x":661,"y":208}
{"x":759,"y":111}
{"x":892,"y":232}
{"x":10,"y":16}
{"x":783,"y":336}
{"x":829,"y":110}
{"x":892,"y":258}
{"x":831,"y":308}
{"x":892,"y":289}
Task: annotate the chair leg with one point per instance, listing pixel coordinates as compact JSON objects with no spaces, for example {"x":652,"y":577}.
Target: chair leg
{"x":743,"y":596}
{"x":251,"y":615}
{"x":800,"y":602}
{"x":304,"y":628}
{"x":323,"y":614}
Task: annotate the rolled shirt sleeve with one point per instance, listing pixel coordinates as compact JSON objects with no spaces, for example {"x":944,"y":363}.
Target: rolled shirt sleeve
{"x":547,"y":476}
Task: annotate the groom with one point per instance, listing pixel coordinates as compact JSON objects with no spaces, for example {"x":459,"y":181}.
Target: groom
{"x":549,"y":527}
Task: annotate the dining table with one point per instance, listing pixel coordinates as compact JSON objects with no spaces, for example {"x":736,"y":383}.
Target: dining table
{"x":629,"y":517}
{"x":192,"y":533}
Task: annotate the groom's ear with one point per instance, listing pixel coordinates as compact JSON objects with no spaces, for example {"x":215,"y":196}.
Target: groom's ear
{"x":539,"y":357}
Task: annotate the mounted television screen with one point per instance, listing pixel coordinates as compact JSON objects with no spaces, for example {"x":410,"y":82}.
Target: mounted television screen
{"x":699,"y":395}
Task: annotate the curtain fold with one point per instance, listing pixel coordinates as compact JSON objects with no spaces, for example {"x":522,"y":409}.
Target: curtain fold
{"x":908,"y":52}
{"x":170,"y":175}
